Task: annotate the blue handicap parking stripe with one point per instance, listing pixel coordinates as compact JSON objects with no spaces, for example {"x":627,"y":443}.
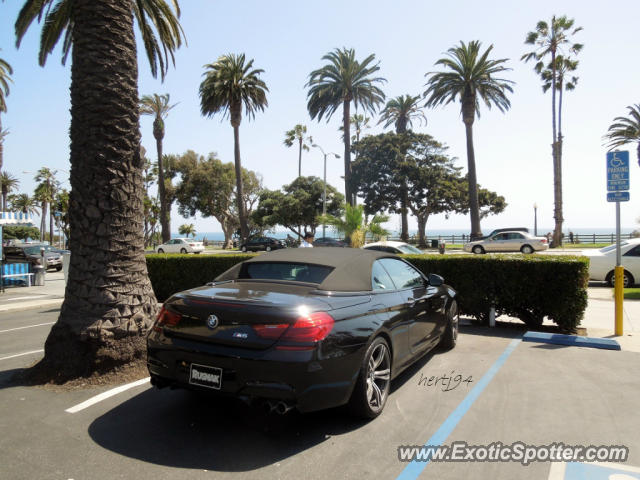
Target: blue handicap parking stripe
{"x":415,"y":468}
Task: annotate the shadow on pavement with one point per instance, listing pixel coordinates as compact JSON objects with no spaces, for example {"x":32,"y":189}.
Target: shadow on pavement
{"x":188,"y":430}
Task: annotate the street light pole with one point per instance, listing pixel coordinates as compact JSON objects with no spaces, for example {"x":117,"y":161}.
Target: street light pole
{"x":535,"y":219}
{"x":324,"y":194}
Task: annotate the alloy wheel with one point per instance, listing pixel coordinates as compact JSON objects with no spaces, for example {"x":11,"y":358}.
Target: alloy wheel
{"x":378,"y":377}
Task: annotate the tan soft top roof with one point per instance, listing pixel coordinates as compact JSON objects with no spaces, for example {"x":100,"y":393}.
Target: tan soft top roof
{"x":351,"y":266}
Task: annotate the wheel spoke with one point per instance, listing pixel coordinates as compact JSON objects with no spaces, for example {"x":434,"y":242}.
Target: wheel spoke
{"x":382,"y":374}
{"x":377,"y":394}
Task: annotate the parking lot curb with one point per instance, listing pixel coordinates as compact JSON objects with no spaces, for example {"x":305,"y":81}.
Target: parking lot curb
{"x":571,"y":340}
{"x":48,"y":303}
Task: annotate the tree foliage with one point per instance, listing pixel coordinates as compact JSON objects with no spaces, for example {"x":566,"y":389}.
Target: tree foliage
{"x":297,"y":205}
{"x":434,"y":184}
{"x":625,"y":130}
{"x":208,"y":186}
{"x":355,"y":226}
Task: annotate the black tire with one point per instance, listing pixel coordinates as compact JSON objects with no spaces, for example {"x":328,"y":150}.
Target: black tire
{"x":628,"y":279}
{"x":160,"y":250}
{"x":372,"y":386}
{"x":183,"y":250}
{"x":268,"y":249}
{"x":477,"y":249}
{"x":244,"y":248}
{"x":526,"y":249}
{"x":450,"y":336}
{"x":58,"y":268}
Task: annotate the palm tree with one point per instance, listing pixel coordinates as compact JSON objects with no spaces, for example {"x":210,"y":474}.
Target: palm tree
{"x":229,"y":85}
{"x":8,"y":183}
{"x":187,"y":229}
{"x":625,"y":130}
{"x":354,"y":225}
{"x":22,"y":202}
{"x":5,"y":72}
{"x":401,"y":111}
{"x":338,"y":83}
{"x":298,"y":134}
{"x":472,"y":77}
{"x":552,"y":40}
{"x":109,"y":303}
{"x":45,"y":192}
{"x":158,"y":107}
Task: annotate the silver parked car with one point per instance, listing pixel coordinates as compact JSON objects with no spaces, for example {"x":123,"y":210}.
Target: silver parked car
{"x":508,"y":242}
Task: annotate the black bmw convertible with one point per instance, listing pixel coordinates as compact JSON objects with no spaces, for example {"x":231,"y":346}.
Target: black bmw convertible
{"x":309,"y":328}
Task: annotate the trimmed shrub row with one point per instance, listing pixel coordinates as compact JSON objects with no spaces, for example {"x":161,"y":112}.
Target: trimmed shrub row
{"x":526,"y":287}
{"x":173,"y":273}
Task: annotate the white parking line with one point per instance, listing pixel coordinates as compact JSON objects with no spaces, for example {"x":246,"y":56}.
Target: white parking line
{"x":21,"y":354}
{"x":28,"y":326}
{"x":105,"y":395}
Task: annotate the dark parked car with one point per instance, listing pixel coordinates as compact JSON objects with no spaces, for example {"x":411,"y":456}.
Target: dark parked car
{"x":30,"y":253}
{"x":303,"y":328}
{"x":329,"y":242}
{"x":262,"y":243}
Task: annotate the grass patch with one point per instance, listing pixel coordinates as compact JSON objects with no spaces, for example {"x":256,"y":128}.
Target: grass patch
{"x":632,"y":293}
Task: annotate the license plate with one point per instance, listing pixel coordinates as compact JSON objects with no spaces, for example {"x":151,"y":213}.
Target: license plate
{"x":210,"y":377}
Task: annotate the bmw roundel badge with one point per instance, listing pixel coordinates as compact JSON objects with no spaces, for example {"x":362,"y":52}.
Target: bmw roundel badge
{"x":212,"y":322}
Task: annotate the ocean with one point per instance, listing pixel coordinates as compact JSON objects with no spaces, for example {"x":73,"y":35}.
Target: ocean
{"x":431,"y":233}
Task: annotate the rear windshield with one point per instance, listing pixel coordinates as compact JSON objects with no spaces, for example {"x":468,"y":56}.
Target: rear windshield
{"x":296,"y":272}
{"x":409,"y":249}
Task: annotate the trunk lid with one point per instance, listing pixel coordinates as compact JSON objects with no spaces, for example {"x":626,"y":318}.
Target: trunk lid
{"x":229,"y":313}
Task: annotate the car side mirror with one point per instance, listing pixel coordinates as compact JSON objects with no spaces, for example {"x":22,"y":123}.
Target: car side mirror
{"x":435,"y":280}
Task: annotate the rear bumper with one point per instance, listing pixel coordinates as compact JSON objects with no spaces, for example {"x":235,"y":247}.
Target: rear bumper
{"x":309,"y":380}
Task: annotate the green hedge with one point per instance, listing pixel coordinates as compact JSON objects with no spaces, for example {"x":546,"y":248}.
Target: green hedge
{"x":173,"y":273}
{"x":527,"y":287}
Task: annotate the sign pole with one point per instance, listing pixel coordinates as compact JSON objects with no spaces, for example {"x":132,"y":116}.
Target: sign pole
{"x":618,"y":279}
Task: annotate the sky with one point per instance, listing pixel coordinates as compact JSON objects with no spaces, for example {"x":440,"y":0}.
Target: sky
{"x":288,"y":39}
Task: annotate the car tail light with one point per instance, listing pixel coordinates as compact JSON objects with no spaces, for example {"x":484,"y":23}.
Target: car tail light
{"x":166,"y":318}
{"x":543,"y":240}
{"x":309,"y":329}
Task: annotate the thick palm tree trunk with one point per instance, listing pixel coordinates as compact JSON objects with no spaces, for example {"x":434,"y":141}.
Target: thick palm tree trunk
{"x":244,"y":229}
{"x":4,"y":199}
{"x":164,"y":217}
{"x":474,"y":211}
{"x":346,"y":125}
{"x":109,"y":303}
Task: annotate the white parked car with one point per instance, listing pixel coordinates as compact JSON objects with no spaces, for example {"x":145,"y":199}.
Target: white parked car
{"x":393,"y":247}
{"x":508,"y":242}
{"x":180,"y":245}
{"x":603,"y":261}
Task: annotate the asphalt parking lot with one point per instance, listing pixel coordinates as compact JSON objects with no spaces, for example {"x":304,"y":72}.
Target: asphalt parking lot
{"x":517,"y":391}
